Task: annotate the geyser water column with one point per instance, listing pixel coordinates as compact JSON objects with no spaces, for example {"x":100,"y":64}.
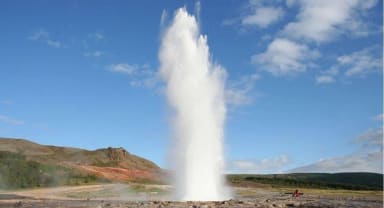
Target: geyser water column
{"x":195,"y":92}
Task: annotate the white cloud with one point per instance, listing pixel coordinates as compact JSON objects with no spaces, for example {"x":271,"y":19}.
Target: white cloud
{"x":323,"y":20}
{"x":367,"y":4}
{"x":378,"y":117}
{"x":284,"y":57}
{"x":263,"y":16}
{"x":357,"y":63}
{"x":316,"y":21}
{"x":268,"y":165}
{"x":266,"y":37}
{"x":371,"y":140}
{"x":146,"y":80}
{"x":333,"y":71}
{"x":44,"y":36}
{"x":360,"y":28}
{"x":324,"y":79}
{"x":8,"y":120}
{"x":55,"y":44}
{"x":327,"y":76}
{"x":237,"y":97}
{"x":368,"y":158}
{"x":228,"y":22}
{"x":139,"y":75}
{"x":259,"y":13}
{"x":41,"y":34}
{"x":238,"y":92}
{"x":371,"y":162}
{"x":99,"y":36}
{"x":123,"y":68}
{"x":94,"y":54}
{"x":96,"y":36}
{"x":361,"y":62}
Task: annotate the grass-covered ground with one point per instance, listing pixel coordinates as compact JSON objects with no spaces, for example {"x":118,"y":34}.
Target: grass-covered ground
{"x":18,"y":172}
{"x":346,"y":181}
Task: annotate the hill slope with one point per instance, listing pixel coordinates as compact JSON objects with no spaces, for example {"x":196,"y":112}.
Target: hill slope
{"x":115,"y":164}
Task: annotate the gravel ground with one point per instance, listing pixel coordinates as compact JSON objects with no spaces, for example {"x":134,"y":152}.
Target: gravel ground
{"x":114,"y":196}
{"x":221,"y":204}
{"x":307,"y":201}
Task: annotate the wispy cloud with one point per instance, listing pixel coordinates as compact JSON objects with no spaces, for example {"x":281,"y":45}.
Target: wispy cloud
{"x":358,"y":63}
{"x":53,"y":43}
{"x":238,"y":92}
{"x":93,"y":54}
{"x":123,"y":68}
{"x":45,"y":37}
{"x":328,"y":76}
{"x":267,"y":165}
{"x":259,"y":14}
{"x":11,"y":121}
{"x":368,"y":158}
{"x":372,"y":140}
{"x":371,"y":162}
{"x":324,"y":20}
{"x":378,"y":117}
{"x":139,"y":75}
{"x":361,"y":62}
{"x":41,"y":34}
{"x":96,"y":36}
{"x":284,"y":57}
{"x":263,"y":16}
{"x":292,"y":49}
{"x":324,"y":79}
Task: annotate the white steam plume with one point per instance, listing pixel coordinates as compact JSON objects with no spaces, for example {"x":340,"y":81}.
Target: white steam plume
{"x":195,"y":91}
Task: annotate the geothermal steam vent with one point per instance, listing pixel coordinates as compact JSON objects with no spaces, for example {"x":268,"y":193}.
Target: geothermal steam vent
{"x":195,"y":91}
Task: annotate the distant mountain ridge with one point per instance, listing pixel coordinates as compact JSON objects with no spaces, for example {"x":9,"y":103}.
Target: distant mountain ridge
{"x":114,"y":164}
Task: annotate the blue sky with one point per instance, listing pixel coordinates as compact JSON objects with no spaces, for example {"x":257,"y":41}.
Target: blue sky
{"x":304,"y":86}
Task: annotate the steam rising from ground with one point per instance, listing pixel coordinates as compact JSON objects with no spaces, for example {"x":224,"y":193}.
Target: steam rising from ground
{"x":195,"y":91}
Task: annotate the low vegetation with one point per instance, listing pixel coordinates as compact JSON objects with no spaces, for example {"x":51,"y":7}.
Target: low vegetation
{"x":349,"y":181}
{"x":18,"y":172}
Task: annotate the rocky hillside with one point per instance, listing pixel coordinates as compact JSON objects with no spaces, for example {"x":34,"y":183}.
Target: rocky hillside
{"x":112,"y":164}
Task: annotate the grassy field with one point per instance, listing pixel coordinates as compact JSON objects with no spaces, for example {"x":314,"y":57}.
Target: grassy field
{"x":18,"y":172}
{"x":346,"y":181}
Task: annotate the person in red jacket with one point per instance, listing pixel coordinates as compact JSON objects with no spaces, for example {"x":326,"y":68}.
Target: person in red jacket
{"x":296,"y":193}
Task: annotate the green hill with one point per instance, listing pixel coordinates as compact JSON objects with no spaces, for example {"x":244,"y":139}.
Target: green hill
{"x":18,"y":172}
{"x":114,"y":157}
{"x":27,"y":164}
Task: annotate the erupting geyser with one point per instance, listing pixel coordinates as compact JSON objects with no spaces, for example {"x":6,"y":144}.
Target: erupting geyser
{"x":195,"y":91}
